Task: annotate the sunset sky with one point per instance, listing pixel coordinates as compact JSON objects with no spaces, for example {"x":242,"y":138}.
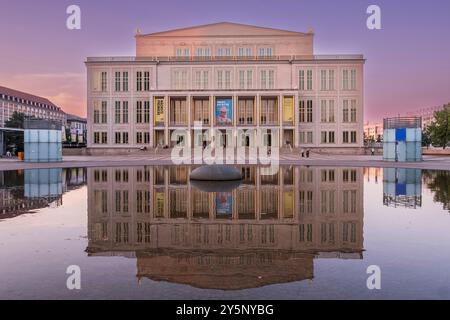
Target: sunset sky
{"x":407,"y":68}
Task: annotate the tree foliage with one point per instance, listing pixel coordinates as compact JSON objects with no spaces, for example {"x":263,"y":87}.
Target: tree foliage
{"x":439,"y":130}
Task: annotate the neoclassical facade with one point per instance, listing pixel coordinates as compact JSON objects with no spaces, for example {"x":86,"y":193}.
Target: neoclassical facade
{"x":234,"y":80}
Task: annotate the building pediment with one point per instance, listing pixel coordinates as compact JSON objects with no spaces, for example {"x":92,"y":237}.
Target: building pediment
{"x":224,"y":29}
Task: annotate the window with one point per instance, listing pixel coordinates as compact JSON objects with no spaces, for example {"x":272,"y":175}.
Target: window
{"x":100,"y":112}
{"x":146,"y":111}
{"x":104,"y":81}
{"x":301,"y":80}
{"x":306,"y":137}
{"x":306,"y":111}
{"x":180,"y":79}
{"x":224,"y":52}
{"x":104,"y":112}
{"x":125,"y":81}
{"x":118,"y":81}
{"x":349,"y":111}
{"x":96,"y":137}
{"x":224,"y":79}
{"x":269,"y":111}
{"x":353,"y":111}
{"x":146,"y":81}
{"x":327,"y":137}
{"x":267,"y":79}
{"x":104,"y":137}
{"x":139,"y":81}
{"x":117,"y":112}
{"x":353,"y":79}
{"x":265,"y":52}
{"x":309,"y":80}
{"x":245,"y":79}
{"x":245,"y":111}
{"x":245,"y":52}
{"x":204,"y":52}
{"x":138,"y":111}
{"x":327,"y":110}
{"x":125,"y":112}
{"x":344,"y":79}
{"x":326,"y":80}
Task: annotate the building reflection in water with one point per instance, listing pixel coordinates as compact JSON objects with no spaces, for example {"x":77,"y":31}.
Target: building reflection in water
{"x":268,"y":230}
{"x":24,"y":191}
{"x":402,"y":187}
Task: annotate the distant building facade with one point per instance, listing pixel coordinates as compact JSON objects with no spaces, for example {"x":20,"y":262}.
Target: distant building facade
{"x":373,"y":131}
{"x":30,"y":105}
{"x":227,"y":77}
{"x":76,"y":129}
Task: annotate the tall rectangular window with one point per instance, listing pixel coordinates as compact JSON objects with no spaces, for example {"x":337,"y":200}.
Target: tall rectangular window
{"x":309,"y":80}
{"x":104,"y":112}
{"x":353,"y":110}
{"x":353,"y":79}
{"x":146,"y":111}
{"x":124,"y":111}
{"x":146,"y":81}
{"x":139,"y":81}
{"x":138,"y":111}
{"x":345,"y":111}
{"x":125,"y":81}
{"x":345,"y":80}
{"x":301,"y":80}
{"x":117,"y":112}
{"x":323,"y":80}
{"x":118,"y":81}
{"x":104,"y":81}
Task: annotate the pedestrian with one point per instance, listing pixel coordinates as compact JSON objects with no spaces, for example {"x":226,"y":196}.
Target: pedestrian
{"x":373,"y":151}
{"x":307,"y":153}
{"x":303,"y":153}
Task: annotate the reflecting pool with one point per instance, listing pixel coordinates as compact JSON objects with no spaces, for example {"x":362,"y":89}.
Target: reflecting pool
{"x":149,"y":233}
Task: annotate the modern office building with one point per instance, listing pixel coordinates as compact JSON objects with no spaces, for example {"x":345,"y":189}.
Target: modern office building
{"x":30,"y":105}
{"x":275,"y":224}
{"x":229,"y":77}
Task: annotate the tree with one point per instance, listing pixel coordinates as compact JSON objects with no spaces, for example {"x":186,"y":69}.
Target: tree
{"x":16,"y":120}
{"x":426,"y":137}
{"x":439,"y":130}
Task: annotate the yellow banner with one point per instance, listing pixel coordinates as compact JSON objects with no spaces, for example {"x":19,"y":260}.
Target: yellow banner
{"x":159,"y":209}
{"x":288,"y":198}
{"x":288,"y":109}
{"x":159,"y":110}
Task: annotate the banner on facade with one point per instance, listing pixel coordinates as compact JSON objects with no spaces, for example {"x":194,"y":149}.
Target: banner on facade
{"x":224,"y":204}
{"x":159,"y":110}
{"x":224,"y":111}
{"x":288,"y":109}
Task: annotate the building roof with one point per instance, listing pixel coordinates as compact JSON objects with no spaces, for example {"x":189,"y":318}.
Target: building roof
{"x":72,"y":117}
{"x":26,"y":96}
{"x":224,"y":29}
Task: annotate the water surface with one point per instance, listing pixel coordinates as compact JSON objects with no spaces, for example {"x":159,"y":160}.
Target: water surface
{"x":147,"y":233}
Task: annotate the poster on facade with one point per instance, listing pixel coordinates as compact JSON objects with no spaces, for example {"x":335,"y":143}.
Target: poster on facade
{"x":224,"y":204}
{"x":159,"y":204}
{"x":288,"y":109}
{"x":224,"y":111}
{"x":159,"y":110}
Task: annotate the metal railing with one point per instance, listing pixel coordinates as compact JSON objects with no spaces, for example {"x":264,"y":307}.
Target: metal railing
{"x":226,"y":58}
{"x":402,"y":122}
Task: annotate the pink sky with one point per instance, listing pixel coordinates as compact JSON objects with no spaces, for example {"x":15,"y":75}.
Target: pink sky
{"x":408,"y":65}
